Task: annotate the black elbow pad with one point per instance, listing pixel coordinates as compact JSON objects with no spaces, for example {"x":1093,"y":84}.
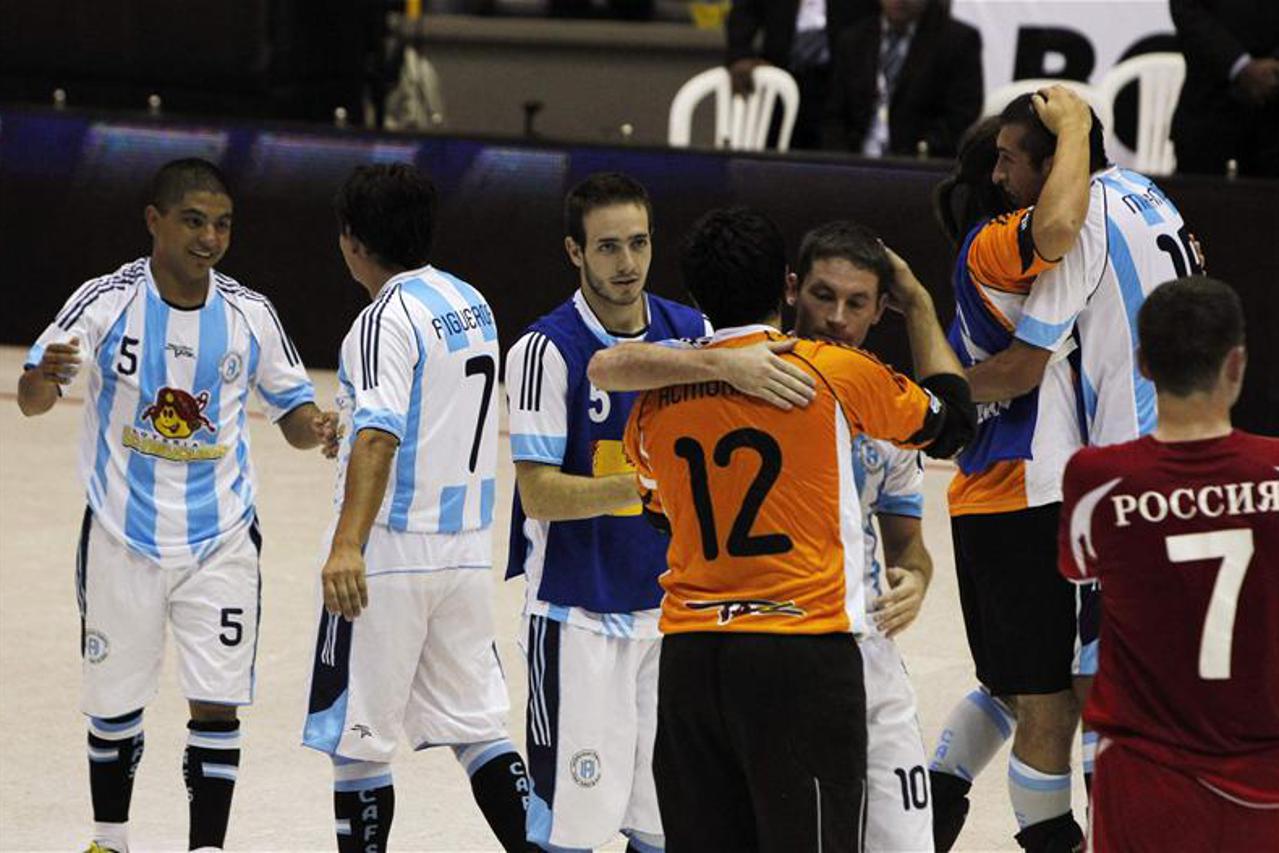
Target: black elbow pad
{"x":953,"y":422}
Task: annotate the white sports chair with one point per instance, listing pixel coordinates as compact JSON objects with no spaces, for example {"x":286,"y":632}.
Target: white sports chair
{"x":741,"y":123}
{"x":1159,"y":77}
{"x":1004,"y":95}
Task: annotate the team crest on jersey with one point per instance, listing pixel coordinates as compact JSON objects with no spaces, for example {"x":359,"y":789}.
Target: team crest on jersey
{"x":585,"y":766}
{"x":872,"y":459}
{"x":177,"y":417}
{"x":231,"y":366}
{"x":96,"y":646}
{"x":730,"y":609}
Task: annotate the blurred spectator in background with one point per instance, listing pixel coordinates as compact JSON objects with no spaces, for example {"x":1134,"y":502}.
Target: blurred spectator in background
{"x":798,"y":35}
{"x":1229,"y":106}
{"x":910,"y":74}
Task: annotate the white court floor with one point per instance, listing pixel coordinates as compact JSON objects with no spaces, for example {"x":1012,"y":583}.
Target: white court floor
{"x":284,"y":797}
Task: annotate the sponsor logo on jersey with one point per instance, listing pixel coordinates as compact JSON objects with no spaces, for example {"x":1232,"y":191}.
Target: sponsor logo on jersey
{"x":585,"y":767}
{"x":96,"y":646}
{"x":177,"y":416}
{"x":730,"y":609}
{"x":607,"y":458}
{"x":230,"y":367}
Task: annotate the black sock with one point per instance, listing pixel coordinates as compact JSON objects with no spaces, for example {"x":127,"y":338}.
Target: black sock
{"x":950,"y":808}
{"x":115,"y":748}
{"x":1056,"y":835}
{"x":364,"y":819}
{"x":500,"y":787}
{"x":210,"y":765}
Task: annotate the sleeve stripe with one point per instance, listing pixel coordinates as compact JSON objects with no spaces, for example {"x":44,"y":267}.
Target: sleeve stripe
{"x":534,"y":340}
{"x":531,"y":381}
{"x":290,"y":351}
{"x":370,"y":335}
{"x":90,"y":292}
{"x":364,"y":352}
{"x":72,"y":314}
{"x":290,"y":354}
{"x":541,"y":373}
{"x":231,"y":287}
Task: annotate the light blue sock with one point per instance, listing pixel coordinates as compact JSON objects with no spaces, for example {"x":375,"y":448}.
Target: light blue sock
{"x":975,"y":730}
{"x":1036,"y":796}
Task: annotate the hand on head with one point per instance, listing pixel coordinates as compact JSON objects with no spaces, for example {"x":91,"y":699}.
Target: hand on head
{"x":1061,"y":109}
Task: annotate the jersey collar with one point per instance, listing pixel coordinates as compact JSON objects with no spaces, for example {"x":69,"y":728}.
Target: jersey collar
{"x":155,"y":290}
{"x":742,"y":331}
{"x":593,"y":323}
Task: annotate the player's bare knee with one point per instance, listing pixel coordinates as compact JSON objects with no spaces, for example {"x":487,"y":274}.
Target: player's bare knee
{"x":208,"y":712}
{"x":1046,"y":719}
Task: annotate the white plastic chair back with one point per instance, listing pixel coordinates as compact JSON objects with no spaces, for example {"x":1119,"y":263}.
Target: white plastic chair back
{"x":1004,"y":95}
{"x":741,"y":123}
{"x":1159,"y":77}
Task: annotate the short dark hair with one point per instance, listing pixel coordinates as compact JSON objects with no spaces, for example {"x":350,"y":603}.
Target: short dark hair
{"x":602,"y":189}
{"x":1039,"y":142}
{"x":178,"y":177}
{"x":969,"y":195}
{"x":734,"y":265}
{"x":849,"y":241}
{"x":390,"y":208}
{"x":1186,"y":328}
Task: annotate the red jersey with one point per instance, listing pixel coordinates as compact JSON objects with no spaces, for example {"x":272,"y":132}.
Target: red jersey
{"x":1184,"y":538}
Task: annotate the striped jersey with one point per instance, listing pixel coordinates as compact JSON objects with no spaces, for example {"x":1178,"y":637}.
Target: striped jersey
{"x":889,"y":481}
{"x":420,"y":362}
{"x":595,"y":573}
{"x":1132,"y":241}
{"x":766,"y":523}
{"x":1022,"y":445}
{"x":164,"y":455}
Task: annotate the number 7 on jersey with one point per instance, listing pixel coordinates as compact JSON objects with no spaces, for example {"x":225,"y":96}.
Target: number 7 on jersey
{"x":1234,"y":548}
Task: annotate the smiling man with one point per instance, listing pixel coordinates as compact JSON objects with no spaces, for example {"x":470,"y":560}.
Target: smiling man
{"x":170,"y":534}
{"x":590,"y":560}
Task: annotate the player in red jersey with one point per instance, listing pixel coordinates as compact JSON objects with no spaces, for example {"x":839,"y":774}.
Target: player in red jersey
{"x":1182,"y":529}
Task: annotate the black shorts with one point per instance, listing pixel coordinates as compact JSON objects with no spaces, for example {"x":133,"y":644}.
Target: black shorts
{"x":1018,"y":610}
{"x":761,"y":743}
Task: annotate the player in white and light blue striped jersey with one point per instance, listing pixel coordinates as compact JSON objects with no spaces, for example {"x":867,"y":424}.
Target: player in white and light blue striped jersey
{"x":173,"y":350}
{"x":171,"y":385}
{"x":406,"y":644}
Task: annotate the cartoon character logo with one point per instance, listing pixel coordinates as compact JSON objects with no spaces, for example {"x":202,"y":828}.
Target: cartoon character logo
{"x":176,"y":414}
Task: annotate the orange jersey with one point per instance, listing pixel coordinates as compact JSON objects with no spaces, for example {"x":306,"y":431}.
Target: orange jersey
{"x":1023,"y":444}
{"x":762,"y":503}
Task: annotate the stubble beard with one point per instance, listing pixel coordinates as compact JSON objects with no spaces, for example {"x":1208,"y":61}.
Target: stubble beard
{"x":600,"y":288}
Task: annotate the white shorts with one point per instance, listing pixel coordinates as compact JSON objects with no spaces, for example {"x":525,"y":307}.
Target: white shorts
{"x":592,"y":721}
{"x":899,"y":813}
{"x":419,"y":660}
{"x":126,"y":599}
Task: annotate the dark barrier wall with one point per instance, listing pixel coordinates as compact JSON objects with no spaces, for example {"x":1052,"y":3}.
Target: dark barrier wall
{"x":71,"y":199}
